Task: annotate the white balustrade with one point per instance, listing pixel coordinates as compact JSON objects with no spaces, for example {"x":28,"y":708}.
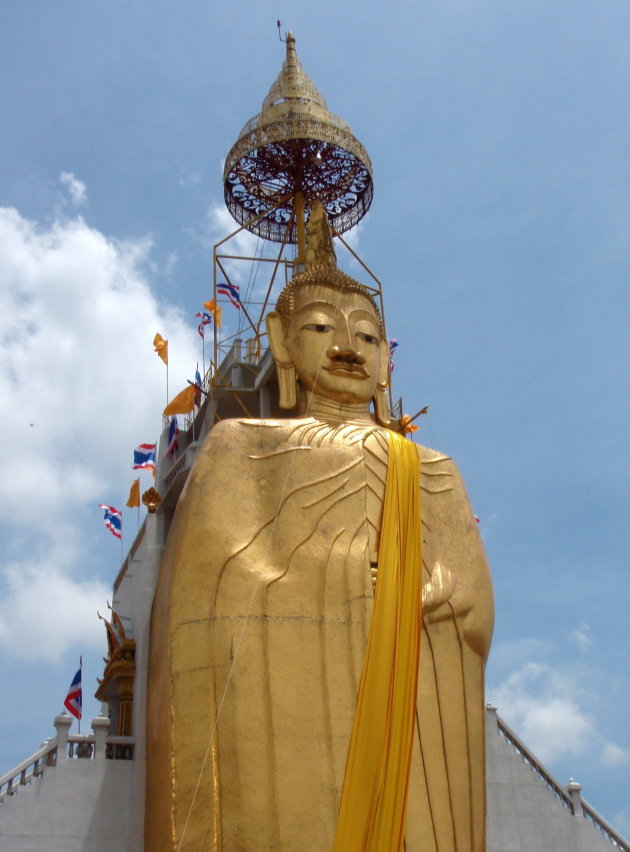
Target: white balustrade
{"x":67,"y":747}
{"x":570,"y":796}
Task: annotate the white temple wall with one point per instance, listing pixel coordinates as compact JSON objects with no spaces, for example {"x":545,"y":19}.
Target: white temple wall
{"x":528,"y":810}
{"x":133,"y":601}
{"x":76,"y":806}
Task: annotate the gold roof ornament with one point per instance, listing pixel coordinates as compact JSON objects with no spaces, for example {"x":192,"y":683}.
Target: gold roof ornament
{"x":291,"y":154}
{"x":116,"y":685}
{"x":151,"y":499}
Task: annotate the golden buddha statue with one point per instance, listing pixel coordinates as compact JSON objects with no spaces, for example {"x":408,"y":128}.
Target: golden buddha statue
{"x":264,"y":607}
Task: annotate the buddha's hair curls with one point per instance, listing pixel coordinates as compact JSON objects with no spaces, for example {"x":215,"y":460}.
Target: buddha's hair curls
{"x":323,"y":275}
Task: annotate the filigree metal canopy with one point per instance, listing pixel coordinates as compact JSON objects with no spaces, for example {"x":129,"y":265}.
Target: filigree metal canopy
{"x":296,"y":146}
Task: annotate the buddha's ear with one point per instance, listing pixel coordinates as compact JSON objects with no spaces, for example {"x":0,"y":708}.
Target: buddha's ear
{"x":276,"y":335}
{"x":284,"y":366}
{"x":383,"y":367}
{"x":381,"y":411}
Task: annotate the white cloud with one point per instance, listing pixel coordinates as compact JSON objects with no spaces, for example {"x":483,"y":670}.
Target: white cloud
{"x":76,"y":188}
{"x":582,"y":636}
{"x":44,"y":611}
{"x":189,"y":179}
{"x":614,"y":755}
{"x":509,"y":655}
{"x":220,"y":224}
{"x":542,"y":705}
{"x":171,"y":262}
{"x":77,"y":318}
{"x":546,"y":706}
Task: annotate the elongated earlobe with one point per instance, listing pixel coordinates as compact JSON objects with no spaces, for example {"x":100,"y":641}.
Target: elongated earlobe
{"x":287,"y":397}
{"x":284,"y":366}
{"x":381,"y":411}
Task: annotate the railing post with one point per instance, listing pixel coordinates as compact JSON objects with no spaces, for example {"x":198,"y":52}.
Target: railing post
{"x":43,"y":762}
{"x":491,"y":715}
{"x":574,"y":789}
{"x":62,"y":724}
{"x":100,"y":726}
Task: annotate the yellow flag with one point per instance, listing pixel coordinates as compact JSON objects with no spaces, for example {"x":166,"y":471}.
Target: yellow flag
{"x":183,"y":403}
{"x":215,"y":310}
{"x":161,"y":347}
{"x":134,"y":494}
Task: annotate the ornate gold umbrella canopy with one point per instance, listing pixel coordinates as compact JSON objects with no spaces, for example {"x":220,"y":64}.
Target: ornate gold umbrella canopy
{"x":291,"y":154}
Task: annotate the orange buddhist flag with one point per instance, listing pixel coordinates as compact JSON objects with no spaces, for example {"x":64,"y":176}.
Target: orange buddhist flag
{"x":215,"y":310}
{"x":134,"y":494}
{"x":406,"y":426}
{"x":183,"y":403}
{"x":161,"y":347}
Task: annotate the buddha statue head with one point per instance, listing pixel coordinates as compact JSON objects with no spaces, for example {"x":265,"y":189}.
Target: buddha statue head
{"x":328,"y":342}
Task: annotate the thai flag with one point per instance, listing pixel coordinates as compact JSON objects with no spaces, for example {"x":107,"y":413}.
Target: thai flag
{"x":74,"y":699}
{"x":393,"y":346}
{"x":113,"y":519}
{"x":173,"y":432}
{"x":144,"y":457}
{"x":205,"y":319}
{"x":232,"y":292}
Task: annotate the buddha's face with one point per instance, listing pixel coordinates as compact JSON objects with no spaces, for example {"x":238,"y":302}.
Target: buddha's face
{"x":333,"y":339}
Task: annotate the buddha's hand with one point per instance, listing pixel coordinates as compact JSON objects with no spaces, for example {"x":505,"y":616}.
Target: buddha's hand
{"x":438,"y":589}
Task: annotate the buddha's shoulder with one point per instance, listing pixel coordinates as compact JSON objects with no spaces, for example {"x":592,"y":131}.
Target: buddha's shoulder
{"x":432,"y":457}
{"x":439,"y":473}
{"x":243,"y":429}
{"x":232,"y":437}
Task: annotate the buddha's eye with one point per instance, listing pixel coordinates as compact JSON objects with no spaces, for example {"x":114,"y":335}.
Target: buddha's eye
{"x":322,"y":328}
{"x":369,"y":338}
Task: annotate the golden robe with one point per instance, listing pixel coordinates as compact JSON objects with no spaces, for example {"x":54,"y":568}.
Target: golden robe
{"x":258,"y":632}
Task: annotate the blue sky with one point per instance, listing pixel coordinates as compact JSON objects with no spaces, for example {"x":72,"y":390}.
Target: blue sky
{"x":500,"y":230}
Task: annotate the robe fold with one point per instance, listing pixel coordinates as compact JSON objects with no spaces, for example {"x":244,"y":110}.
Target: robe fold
{"x":258,"y":633}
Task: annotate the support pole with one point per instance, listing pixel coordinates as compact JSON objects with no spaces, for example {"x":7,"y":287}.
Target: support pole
{"x":298,"y":203}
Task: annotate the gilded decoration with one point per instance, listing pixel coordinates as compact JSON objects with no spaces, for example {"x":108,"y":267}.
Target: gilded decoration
{"x":151,"y":499}
{"x":295,"y":145}
{"x":117,"y":683}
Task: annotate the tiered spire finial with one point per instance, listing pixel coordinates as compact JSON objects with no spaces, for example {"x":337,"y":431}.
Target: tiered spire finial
{"x":293,"y":153}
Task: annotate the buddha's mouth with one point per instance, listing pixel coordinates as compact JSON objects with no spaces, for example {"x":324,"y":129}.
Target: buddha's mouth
{"x":353,"y":370}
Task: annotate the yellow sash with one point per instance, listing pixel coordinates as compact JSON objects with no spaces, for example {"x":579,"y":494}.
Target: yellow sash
{"x":374,"y":797}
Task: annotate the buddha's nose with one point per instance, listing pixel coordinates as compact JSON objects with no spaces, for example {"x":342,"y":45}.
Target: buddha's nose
{"x":345,"y":353}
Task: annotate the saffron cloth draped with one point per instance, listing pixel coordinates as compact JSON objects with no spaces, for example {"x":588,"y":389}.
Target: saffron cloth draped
{"x":374,"y":796}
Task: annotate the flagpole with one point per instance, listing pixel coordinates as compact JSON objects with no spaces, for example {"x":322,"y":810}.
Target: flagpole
{"x":203,"y":353}
{"x":193,"y":411}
